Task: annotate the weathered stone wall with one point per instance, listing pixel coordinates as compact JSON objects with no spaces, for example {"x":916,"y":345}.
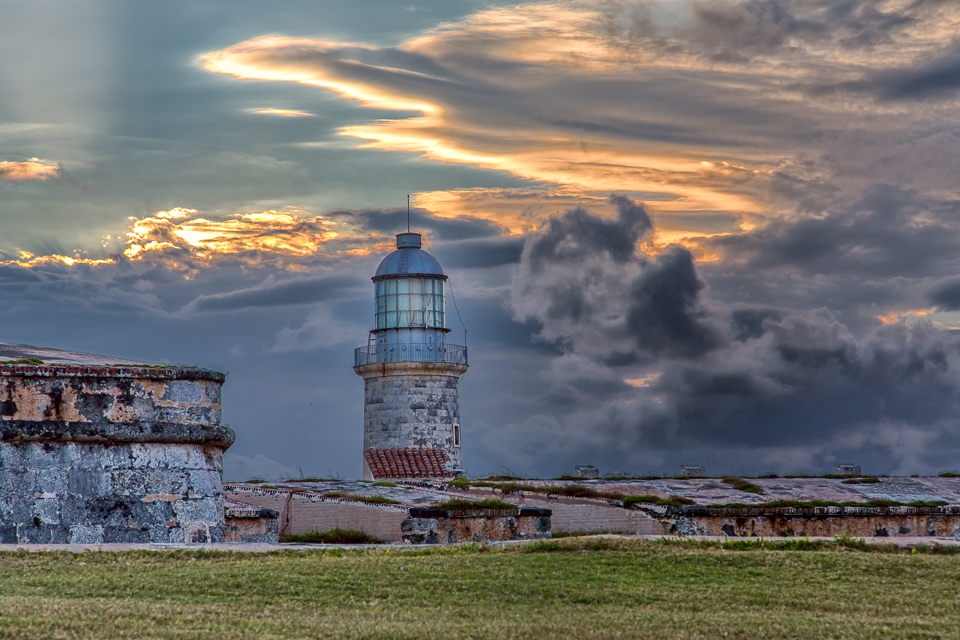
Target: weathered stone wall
{"x":252,"y":525}
{"x":820,"y":521}
{"x":82,"y":492}
{"x":440,"y":526}
{"x":303,"y":513}
{"x":412,"y":404}
{"x":96,"y":454}
{"x":577,"y":516}
{"x":41,"y":394}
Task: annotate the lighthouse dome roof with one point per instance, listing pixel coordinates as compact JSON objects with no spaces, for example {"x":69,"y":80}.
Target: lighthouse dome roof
{"x":409,"y":259}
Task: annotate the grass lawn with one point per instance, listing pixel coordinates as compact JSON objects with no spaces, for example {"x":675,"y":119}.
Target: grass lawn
{"x":571,"y":588}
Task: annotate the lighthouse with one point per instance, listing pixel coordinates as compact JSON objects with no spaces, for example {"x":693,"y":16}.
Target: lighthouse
{"x":411,"y":374}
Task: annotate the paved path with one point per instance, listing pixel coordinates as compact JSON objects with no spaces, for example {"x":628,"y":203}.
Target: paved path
{"x":904,"y":541}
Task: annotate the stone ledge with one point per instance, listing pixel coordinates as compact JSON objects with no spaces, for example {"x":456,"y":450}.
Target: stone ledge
{"x":388,"y":369}
{"x":427,"y":512}
{"x":830,"y":511}
{"x":108,"y":371}
{"x":115,"y":433}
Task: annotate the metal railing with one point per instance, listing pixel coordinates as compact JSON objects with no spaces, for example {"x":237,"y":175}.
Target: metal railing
{"x":410,"y":352}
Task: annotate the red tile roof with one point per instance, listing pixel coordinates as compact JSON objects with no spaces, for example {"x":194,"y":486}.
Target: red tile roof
{"x":407,"y":462}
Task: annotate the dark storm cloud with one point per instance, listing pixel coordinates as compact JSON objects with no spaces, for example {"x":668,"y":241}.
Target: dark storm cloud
{"x":480,"y":253}
{"x":451,"y":229}
{"x":885,"y":232}
{"x":578,"y":233}
{"x":273,"y":293}
{"x":795,"y":387}
{"x":946,"y":294}
{"x":738,"y":30}
{"x":938,"y":78}
{"x":582,"y":277}
{"x":664,"y":314}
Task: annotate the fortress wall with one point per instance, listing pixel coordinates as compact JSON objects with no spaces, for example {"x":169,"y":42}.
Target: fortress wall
{"x":441,"y":526}
{"x":860,"y":526}
{"x":86,"y":493}
{"x":99,"y":454}
{"x":579,"y":515}
{"x":302,"y":513}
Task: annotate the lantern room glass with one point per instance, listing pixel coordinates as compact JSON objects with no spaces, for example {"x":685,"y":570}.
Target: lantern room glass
{"x":409,"y":302}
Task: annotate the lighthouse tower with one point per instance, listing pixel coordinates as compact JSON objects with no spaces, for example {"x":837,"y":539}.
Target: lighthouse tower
{"x":411,"y":375}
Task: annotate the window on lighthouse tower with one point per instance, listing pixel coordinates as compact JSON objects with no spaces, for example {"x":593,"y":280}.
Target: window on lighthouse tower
{"x":409,"y":302}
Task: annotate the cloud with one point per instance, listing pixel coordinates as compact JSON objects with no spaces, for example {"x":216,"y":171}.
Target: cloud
{"x":693,"y":107}
{"x":285,"y":113}
{"x":584,"y":279}
{"x":321,"y":329}
{"x":938,"y":78}
{"x":274,"y":293}
{"x":717,"y":380}
{"x":239,"y":468}
{"x":33,"y":169}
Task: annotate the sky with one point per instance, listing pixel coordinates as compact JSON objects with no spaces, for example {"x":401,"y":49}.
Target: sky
{"x":723,"y":233}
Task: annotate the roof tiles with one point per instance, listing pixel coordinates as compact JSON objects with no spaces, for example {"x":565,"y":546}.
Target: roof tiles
{"x":407,"y":462}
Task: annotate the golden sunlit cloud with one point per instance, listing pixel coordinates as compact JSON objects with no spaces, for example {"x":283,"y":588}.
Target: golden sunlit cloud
{"x":32,"y":169}
{"x":286,"y":113}
{"x":28,"y":259}
{"x":592,"y":98}
{"x":906,"y":315}
{"x":267,"y":231}
{"x":645,"y":381}
{"x":181,"y":239}
{"x":524,"y":210}
{"x":458,"y":122}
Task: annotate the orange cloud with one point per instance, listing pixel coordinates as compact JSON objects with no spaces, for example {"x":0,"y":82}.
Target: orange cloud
{"x":588,"y":98}
{"x":184,"y":240}
{"x":286,"y":113}
{"x":906,"y":315}
{"x":468,"y":117}
{"x":32,"y":169}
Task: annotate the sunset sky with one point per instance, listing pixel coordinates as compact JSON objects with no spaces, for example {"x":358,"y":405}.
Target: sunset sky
{"x":678,"y":232}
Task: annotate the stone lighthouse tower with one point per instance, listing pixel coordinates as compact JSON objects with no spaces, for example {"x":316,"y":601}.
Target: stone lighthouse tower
{"x":411,"y":375}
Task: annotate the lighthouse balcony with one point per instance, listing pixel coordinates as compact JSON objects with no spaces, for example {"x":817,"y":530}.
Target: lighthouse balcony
{"x":410,"y":352}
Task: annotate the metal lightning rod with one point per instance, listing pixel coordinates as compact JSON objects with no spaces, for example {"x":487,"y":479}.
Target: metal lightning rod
{"x":408,"y":213}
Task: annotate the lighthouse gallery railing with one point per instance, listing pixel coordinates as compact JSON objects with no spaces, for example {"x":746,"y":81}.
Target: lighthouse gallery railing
{"x":410,"y":352}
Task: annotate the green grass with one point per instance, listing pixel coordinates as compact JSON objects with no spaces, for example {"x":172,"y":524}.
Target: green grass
{"x":462,"y":503}
{"x":376,"y":500}
{"x":332,"y":536}
{"x":575,"y":588}
{"x":672,"y":501}
{"x":806,"y":504}
{"x":743,"y":485}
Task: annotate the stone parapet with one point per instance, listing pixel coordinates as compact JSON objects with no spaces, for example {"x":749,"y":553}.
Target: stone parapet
{"x":428,"y":525}
{"x":97,"y":453}
{"x":860,"y":521}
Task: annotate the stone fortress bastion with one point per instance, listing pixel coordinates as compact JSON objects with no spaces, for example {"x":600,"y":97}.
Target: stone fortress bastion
{"x":99,"y":450}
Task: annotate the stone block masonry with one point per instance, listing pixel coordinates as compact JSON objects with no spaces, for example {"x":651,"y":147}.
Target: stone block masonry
{"x":412,"y":404}
{"x":766,"y":522}
{"x":442,"y":526}
{"x":98,"y":453}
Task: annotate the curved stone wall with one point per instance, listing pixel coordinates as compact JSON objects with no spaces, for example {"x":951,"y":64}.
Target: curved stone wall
{"x":412,"y":404}
{"x":92,"y":454}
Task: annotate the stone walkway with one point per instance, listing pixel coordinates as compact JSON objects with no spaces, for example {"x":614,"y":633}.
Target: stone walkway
{"x":905,"y":542}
